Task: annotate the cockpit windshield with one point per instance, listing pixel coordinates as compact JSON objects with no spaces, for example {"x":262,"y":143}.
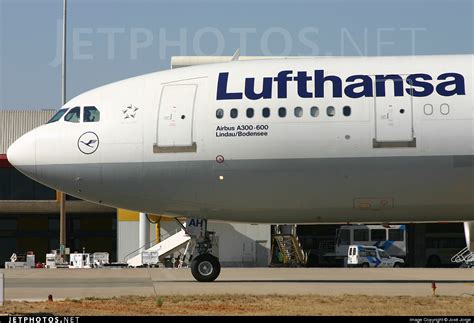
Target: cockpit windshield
{"x":58,"y":115}
{"x":91,"y":114}
{"x":74,"y":115}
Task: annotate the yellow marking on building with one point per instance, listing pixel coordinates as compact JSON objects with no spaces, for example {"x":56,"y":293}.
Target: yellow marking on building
{"x":127,"y":215}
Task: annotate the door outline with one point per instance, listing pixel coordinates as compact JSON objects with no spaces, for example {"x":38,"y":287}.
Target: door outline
{"x":395,"y":143}
{"x":176,"y":149}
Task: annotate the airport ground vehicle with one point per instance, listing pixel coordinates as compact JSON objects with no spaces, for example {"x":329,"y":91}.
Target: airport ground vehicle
{"x":370,"y":256}
{"x":441,"y":247}
{"x":392,"y":239}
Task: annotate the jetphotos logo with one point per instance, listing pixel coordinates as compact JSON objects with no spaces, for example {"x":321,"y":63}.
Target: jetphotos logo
{"x":315,"y":85}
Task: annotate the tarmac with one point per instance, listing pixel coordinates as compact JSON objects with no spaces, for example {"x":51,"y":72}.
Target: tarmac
{"x":37,"y":284}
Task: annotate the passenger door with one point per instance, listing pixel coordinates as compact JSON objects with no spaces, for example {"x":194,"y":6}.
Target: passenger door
{"x":393,"y":116}
{"x":175,"y":119}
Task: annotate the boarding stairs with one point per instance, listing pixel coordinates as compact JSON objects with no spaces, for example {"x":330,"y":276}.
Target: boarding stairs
{"x":290,"y":247}
{"x":464,"y":257}
{"x":165,"y":247}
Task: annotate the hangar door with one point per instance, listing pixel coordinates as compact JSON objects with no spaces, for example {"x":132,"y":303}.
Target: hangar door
{"x":175,"y":119}
{"x":393,"y":114}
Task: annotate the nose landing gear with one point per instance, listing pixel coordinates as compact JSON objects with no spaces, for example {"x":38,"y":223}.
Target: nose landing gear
{"x":205,"y":267}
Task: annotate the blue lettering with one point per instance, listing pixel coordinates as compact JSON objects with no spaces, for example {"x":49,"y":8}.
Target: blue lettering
{"x":196,"y":223}
{"x":414,"y":81}
{"x":222,"y":93}
{"x":457,"y":81}
{"x":320,"y":79}
{"x":302,"y":78}
{"x":266,"y":89}
{"x":356,"y":86}
{"x":365,"y":85}
{"x":282,"y":79}
{"x":380,"y":84}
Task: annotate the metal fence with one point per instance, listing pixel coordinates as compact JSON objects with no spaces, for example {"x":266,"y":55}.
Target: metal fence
{"x":15,"y":123}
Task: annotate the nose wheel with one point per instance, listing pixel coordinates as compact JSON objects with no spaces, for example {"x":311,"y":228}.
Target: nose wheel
{"x":205,"y":268}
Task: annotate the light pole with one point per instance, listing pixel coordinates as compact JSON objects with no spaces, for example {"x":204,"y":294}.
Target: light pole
{"x":62,"y":196}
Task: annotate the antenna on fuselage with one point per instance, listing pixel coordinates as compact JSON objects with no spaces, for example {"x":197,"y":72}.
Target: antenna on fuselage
{"x":236,"y":55}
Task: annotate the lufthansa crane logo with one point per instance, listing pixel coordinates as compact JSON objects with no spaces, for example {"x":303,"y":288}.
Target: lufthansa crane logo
{"x":88,"y":143}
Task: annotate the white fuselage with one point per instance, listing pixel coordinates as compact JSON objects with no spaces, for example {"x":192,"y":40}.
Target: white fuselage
{"x":323,"y":140}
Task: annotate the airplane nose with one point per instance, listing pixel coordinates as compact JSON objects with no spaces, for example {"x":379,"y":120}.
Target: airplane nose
{"x":22,"y":153}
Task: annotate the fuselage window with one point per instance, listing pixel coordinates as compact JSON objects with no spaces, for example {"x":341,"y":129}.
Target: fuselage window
{"x":250,"y":113}
{"x":57,"y":115}
{"x":266,"y":112}
{"x":234,"y":113}
{"x":74,"y":115}
{"x":314,"y":112}
{"x":298,"y":112}
{"x":91,"y":114}
{"x":282,"y":112}
{"x":428,"y":109}
{"x":444,"y":109}
{"x":331,"y":111}
{"x":346,"y":111}
{"x":219,"y":113}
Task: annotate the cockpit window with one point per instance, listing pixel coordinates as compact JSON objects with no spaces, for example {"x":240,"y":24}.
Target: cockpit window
{"x":74,"y":115}
{"x":57,"y":115}
{"x":91,"y":114}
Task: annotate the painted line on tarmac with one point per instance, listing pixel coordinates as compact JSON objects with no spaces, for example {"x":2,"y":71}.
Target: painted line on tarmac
{"x":322,"y":281}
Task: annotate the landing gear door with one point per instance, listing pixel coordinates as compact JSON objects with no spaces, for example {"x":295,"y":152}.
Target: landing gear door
{"x":196,"y":227}
{"x":175,"y":119}
{"x":393,"y":115}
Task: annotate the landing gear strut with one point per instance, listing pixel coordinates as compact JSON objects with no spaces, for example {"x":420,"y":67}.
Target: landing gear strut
{"x":205,"y":267}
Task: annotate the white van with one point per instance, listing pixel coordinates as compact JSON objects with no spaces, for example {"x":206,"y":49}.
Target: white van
{"x":370,"y":256}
